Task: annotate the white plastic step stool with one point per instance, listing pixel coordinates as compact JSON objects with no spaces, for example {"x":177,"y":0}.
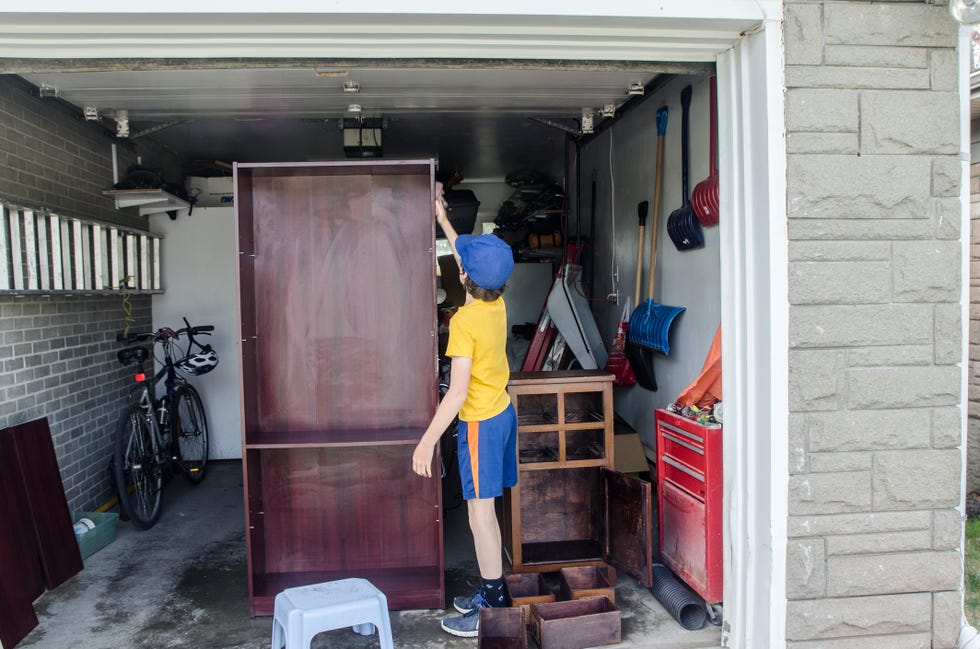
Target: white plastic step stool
{"x":302,"y":612}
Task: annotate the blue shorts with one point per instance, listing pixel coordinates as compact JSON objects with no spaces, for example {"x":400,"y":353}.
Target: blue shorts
{"x":487,"y":452}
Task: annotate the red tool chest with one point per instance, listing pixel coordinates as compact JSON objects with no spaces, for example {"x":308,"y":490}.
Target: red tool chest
{"x":689,"y":490}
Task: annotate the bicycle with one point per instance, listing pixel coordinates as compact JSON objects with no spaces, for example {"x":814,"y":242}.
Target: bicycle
{"x":150,"y":440}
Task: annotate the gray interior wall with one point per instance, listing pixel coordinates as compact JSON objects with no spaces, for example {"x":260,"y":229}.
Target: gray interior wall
{"x":624,"y":161}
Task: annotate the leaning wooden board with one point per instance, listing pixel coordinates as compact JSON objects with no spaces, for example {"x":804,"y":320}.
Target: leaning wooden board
{"x":37,"y":544}
{"x":44,"y":495}
{"x":21,"y":581}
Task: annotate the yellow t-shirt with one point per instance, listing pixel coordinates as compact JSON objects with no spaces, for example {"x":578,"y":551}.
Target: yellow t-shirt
{"x":479,"y":331}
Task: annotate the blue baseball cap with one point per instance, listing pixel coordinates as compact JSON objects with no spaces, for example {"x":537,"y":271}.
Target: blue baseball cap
{"x":487,"y":260}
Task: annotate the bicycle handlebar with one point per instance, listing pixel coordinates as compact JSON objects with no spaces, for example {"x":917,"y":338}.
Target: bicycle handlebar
{"x":164,"y":333}
{"x":202,"y":329}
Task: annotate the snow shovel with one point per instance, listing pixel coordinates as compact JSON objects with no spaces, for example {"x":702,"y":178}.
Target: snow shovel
{"x":650,"y":322}
{"x":640,"y":363}
{"x":682,"y":224}
{"x":704,"y":198}
{"x":569,"y":310}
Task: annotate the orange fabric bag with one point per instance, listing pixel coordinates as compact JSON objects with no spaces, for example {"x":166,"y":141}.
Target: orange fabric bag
{"x":705,"y":390}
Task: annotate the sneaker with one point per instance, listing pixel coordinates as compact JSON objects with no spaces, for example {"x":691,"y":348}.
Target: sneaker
{"x":466,"y":625}
{"x":466,"y":603}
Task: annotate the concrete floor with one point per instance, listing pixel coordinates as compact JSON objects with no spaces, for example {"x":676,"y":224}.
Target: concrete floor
{"x":183,"y":584}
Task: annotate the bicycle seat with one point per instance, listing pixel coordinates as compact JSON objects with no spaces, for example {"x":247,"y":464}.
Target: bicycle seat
{"x":132,"y":354}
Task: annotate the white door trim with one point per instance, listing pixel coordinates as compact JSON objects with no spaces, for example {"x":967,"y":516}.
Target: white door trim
{"x":744,"y":36}
{"x":968,"y":636}
{"x":755,"y":337}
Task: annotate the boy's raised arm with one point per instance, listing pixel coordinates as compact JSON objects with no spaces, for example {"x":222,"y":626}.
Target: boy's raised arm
{"x":442,"y":218}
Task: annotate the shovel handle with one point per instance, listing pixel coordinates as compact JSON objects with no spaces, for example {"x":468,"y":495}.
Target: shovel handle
{"x":662,"y":121}
{"x":641,"y":212}
{"x":658,"y":184}
{"x":685,"y":142}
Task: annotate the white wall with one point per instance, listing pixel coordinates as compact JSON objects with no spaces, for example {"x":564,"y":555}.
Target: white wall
{"x":198,"y":275}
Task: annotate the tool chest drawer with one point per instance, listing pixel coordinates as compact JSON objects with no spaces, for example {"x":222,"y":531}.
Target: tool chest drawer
{"x":683,"y":449}
{"x":682,"y":476}
{"x":690,"y":498}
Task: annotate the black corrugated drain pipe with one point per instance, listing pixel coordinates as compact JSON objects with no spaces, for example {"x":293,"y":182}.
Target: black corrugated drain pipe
{"x":678,"y":599}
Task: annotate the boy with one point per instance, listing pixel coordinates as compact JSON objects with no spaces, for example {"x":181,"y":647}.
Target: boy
{"x":487,"y":432}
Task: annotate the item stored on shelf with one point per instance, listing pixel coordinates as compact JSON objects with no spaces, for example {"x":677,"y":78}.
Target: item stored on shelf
{"x":461,"y":208}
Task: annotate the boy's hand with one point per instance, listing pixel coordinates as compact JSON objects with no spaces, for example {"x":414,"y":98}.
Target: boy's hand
{"x":422,"y":459}
{"x":441,"y":215}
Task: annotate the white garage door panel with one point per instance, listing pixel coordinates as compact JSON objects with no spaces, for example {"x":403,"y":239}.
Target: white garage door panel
{"x":665,"y":31}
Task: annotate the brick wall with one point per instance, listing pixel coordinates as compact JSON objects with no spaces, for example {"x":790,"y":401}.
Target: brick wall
{"x":58,"y":360}
{"x":874,"y":226}
{"x":58,"y":352}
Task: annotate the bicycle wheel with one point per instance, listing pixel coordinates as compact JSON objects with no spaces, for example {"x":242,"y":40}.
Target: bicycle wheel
{"x":190,"y":433}
{"x":138,"y":477}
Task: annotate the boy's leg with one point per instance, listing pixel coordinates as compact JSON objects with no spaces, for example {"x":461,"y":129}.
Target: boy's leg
{"x":486,"y":537}
{"x":487,"y":541}
{"x":489,"y":549}
{"x":482,"y":449}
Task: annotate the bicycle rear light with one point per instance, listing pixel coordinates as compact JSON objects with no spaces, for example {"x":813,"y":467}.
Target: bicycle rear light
{"x":140,"y":377}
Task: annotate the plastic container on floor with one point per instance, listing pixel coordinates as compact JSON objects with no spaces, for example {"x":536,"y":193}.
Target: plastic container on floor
{"x":100,"y":536}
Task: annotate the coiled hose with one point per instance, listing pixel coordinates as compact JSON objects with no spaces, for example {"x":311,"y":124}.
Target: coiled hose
{"x":678,"y":599}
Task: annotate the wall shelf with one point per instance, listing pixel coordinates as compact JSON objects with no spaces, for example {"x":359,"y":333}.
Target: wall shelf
{"x":150,"y":201}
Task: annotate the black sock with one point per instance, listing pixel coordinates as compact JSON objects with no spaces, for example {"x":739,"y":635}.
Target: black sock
{"x":493,"y":592}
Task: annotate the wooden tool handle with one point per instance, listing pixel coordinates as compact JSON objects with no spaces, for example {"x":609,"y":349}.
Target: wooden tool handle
{"x":641,"y":212}
{"x":661,"y":132}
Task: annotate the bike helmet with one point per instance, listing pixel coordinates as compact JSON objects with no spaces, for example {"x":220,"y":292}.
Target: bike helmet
{"x":200,"y":363}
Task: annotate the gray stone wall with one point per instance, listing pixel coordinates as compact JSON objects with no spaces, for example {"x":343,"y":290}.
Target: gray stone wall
{"x":58,"y":360}
{"x":973,"y":422}
{"x":875,"y":344}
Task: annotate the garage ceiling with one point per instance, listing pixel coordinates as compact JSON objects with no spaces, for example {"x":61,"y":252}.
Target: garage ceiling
{"x":482,"y":121}
{"x":483,"y":93}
